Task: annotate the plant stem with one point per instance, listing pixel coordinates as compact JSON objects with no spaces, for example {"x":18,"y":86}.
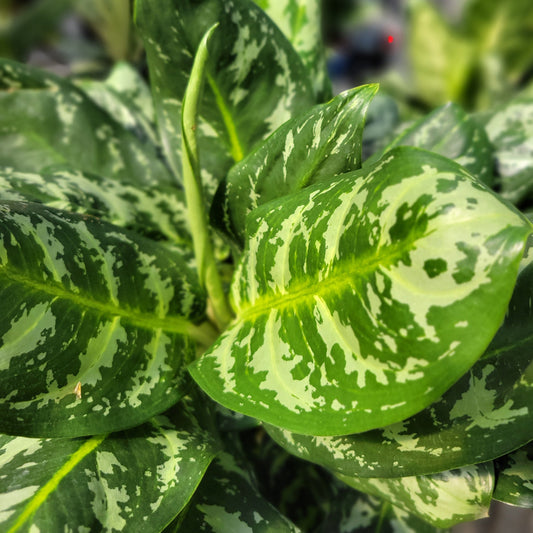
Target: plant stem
{"x":203,"y":248}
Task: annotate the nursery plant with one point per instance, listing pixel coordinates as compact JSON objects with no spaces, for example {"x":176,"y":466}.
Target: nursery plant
{"x":217,"y":317}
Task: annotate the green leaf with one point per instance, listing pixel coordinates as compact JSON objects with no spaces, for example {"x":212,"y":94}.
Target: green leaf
{"x":86,"y":304}
{"x":514,"y":482}
{"x":443,"y":499}
{"x":142,"y":477}
{"x":486,"y":414}
{"x":155,"y":211}
{"x":315,"y":146}
{"x":300,"y":21}
{"x":228,"y":501}
{"x":256,"y":80}
{"x":510,"y":129}
{"x":46,"y":120}
{"x":359,"y":302}
{"x":449,"y":131}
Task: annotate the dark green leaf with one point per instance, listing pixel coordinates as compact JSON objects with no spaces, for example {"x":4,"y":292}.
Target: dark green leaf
{"x":359,"y":302}
{"x":137,"y":479}
{"x":86,"y":304}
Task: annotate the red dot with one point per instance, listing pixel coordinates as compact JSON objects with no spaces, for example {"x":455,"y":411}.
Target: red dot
{"x":390,"y":38}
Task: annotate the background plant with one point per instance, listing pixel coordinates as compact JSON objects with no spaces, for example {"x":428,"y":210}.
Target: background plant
{"x":356,"y":312}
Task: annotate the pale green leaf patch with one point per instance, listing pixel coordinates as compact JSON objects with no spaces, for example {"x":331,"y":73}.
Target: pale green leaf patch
{"x":343,"y":324}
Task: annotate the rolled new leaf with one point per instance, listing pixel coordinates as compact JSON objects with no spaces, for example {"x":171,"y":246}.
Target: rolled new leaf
{"x":104,"y":483}
{"x":315,"y":146}
{"x":359,"y":302}
{"x":96,"y":324}
{"x":443,"y":499}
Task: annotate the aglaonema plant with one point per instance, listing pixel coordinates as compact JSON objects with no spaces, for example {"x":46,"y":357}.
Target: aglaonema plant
{"x":202,"y":288}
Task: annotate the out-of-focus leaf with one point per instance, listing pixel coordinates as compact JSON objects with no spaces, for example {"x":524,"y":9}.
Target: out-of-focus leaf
{"x":510,"y":129}
{"x":96,"y":324}
{"x":255,"y":79}
{"x":300,"y":21}
{"x":360,"y":302}
{"x":140,"y":478}
{"x":316,"y":146}
{"x":514,"y":481}
{"x":46,"y":120}
{"x":227,"y":501}
{"x":450,"y":132}
{"x":486,"y":414}
{"x":154,"y":211}
{"x":442,"y":499}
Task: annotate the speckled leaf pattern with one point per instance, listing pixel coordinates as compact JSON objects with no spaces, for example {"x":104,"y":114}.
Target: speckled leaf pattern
{"x":442,"y":499}
{"x":228,"y":501}
{"x":255,"y":79}
{"x":486,"y":414}
{"x":135,"y":480}
{"x":97,"y":324}
{"x":300,"y":22}
{"x":514,"y":482}
{"x":315,"y":146}
{"x":449,"y":131}
{"x":510,"y":130}
{"x":155,"y":211}
{"x":359,"y":302}
{"x":46,"y":120}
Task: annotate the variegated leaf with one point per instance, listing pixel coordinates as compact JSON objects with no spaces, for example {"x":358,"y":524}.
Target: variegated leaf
{"x":255,"y":79}
{"x":227,"y":501}
{"x":315,"y":146}
{"x":449,"y":131}
{"x":301,"y":22}
{"x":137,"y":479}
{"x":96,"y":324}
{"x":157,"y":211}
{"x":514,"y":482}
{"x":486,"y":414}
{"x":510,"y":130}
{"x":442,"y":499}
{"x":46,"y":120}
{"x":359,"y":302}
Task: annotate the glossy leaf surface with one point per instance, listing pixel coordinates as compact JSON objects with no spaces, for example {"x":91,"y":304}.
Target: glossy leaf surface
{"x":514,"y":484}
{"x":486,"y":414}
{"x":86,"y":304}
{"x":141,"y":477}
{"x":315,"y":146}
{"x":443,"y":499}
{"x":155,"y":211}
{"x":227,"y":500}
{"x":359,"y":302}
{"x":46,"y":120}
{"x":510,"y":130}
{"x":300,"y":22}
{"x":449,"y":131}
{"x":255,"y":79}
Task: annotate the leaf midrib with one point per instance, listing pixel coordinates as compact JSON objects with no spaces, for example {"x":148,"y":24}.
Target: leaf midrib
{"x":173,"y":324}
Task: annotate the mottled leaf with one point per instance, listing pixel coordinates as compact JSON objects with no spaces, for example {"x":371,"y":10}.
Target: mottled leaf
{"x":486,"y":414}
{"x":96,"y":324}
{"x":442,"y":499}
{"x":449,"y":131}
{"x":137,"y":479}
{"x":46,"y":120}
{"x":510,"y":130}
{"x":155,"y":211}
{"x":315,"y":146}
{"x":228,"y":501}
{"x":255,"y":79}
{"x":301,"y":22}
{"x":514,"y":481}
{"x":359,"y":302}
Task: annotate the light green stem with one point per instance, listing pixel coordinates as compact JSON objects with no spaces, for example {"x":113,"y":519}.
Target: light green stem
{"x":203,"y":248}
